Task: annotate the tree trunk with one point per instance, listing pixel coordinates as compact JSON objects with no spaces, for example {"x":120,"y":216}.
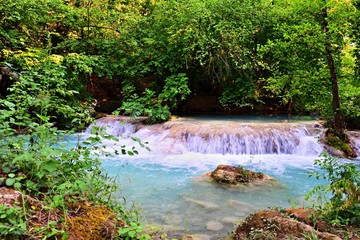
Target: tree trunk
{"x":338,"y":120}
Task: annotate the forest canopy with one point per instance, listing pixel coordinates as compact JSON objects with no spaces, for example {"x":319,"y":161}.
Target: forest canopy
{"x":154,"y":56}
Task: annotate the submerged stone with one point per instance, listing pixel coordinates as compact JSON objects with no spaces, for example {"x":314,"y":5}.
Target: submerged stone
{"x":204,"y":204}
{"x":174,"y":219}
{"x":229,"y":220}
{"x":241,"y":206}
{"x":214,"y":226}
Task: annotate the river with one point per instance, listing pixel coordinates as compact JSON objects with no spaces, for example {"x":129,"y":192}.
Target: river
{"x":165,"y":184}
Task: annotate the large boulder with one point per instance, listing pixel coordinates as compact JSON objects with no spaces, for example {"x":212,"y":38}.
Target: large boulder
{"x":230,"y":175}
{"x":298,"y":223}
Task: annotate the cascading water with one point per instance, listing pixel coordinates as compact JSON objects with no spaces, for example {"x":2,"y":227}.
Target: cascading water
{"x":165,"y":181}
{"x":219,"y":137}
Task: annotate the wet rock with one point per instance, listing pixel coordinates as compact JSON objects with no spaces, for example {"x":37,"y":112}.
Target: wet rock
{"x":241,"y":214}
{"x":230,"y":175}
{"x":173,"y":219}
{"x":214,"y":226}
{"x":293,"y":224}
{"x":238,"y":205}
{"x":172,"y":228}
{"x":337,"y":147}
{"x":104,"y":118}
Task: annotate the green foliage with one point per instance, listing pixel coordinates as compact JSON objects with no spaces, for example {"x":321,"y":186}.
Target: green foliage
{"x":35,"y":156}
{"x":42,"y":165}
{"x":152,"y":105}
{"x":296,"y":59}
{"x":134,"y":231}
{"x":146,"y":105}
{"x":244,"y":52}
{"x":343,"y":206}
{"x":176,"y":87}
{"x":240,"y":94}
{"x":42,"y":93}
{"x":12,"y":222}
{"x":215,"y":41}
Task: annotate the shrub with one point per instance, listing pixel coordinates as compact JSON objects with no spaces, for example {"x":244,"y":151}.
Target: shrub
{"x":343,"y":205}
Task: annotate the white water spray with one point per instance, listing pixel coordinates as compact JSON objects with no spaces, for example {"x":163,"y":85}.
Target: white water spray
{"x":222,"y":137}
{"x":164,"y":180}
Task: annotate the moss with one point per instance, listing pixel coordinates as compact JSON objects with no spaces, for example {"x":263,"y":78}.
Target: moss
{"x":339,"y":144}
{"x":93,"y":223}
{"x":236,"y":175}
{"x":245,"y":175}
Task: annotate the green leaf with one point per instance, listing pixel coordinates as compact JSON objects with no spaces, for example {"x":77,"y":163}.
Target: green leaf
{"x":17,"y":185}
{"x":50,"y":166}
{"x":11,"y":175}
{"x":65,"y":235}
{"x":82,"y":186}
{"x":10,"y":181}
{"x":132,"y":234}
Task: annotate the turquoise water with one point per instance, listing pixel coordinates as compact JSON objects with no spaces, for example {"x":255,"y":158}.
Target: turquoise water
{"x":167,"y":184}
{"x":171,"y":196}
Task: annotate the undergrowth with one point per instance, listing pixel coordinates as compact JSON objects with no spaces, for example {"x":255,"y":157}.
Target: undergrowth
{"x":54,"y":188}
{"x":343,"y":205}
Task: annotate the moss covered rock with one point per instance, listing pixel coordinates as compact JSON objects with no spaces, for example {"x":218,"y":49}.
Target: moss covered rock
{"x":298,"y":223}
{"x":230,"y":175}
{"x":338,"y":147}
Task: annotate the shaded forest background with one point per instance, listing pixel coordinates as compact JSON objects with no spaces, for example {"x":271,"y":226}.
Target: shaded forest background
{"x":163,"y":57}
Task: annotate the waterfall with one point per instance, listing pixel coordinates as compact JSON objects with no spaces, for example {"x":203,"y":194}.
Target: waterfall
{"x":117,"y":128}
{"x":221,"y":137}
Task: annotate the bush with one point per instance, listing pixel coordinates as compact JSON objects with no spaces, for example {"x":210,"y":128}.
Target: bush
{"x":36,"y":160}
{"x":343,"y":205}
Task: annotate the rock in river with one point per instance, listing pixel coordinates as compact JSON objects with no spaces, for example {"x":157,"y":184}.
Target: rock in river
{"x":235,"y":176}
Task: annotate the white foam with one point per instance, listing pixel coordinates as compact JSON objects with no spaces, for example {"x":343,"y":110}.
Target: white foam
{"x":221,"y":138}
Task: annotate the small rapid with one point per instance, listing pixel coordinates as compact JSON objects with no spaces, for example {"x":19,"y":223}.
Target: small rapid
{"x":219,"y":137}
{"x":165,"y":182}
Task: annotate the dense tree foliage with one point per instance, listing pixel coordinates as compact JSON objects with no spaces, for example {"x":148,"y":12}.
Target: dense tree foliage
{"x":158,"y":53}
